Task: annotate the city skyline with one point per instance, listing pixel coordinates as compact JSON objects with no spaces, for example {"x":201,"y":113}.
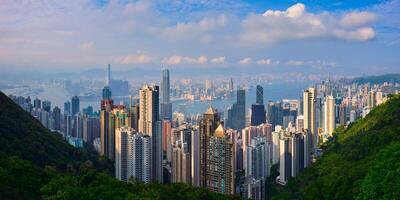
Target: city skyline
{"x":339,"y":37}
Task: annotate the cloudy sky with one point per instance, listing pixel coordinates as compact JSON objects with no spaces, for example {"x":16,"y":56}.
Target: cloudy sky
{"x":334,"y":36}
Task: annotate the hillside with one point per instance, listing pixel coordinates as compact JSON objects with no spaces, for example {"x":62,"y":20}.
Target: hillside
{"x":361,"y":162}
{"x":380,"y":79}
{"x":38,"y":164}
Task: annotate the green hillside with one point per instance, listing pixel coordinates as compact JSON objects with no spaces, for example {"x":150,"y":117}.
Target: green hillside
{"x":38,"y":164}
{"x":361,"y":162}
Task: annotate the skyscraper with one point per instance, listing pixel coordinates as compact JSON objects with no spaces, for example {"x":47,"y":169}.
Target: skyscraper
{"x":238,"y":112}
{"x":329,"y":118}
{"x":108,"y":79}
{"x":75,"y":105}
{"x":57,"y":118}
{"x":46,"y":105}
{"x":208,"y":124}
{"x":67,"y":108}
{"x":259,"y":95}
{"x":150,"y":124}
{"x":107,"y":92}
{"x":37,"y":103}
{"x":165,"y":104}
{"x":132,"y":155}
{"x":309,"y":113}
{"x":220,"y":162}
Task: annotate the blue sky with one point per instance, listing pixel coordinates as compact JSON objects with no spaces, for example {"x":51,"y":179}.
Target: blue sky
{"x":309,"y":37}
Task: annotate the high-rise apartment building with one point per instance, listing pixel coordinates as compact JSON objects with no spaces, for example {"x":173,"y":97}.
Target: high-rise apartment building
{"x":330,"y":117}
{"x":150,"y":124}
{"x":220,"y":163}
{"x":310,"y":118}
{"x":207,"y":126}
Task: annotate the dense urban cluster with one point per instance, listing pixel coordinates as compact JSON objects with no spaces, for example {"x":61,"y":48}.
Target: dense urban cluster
{"x":229,"y":152}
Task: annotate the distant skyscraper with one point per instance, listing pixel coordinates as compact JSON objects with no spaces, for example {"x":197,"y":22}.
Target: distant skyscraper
{"x":46,"y":105}
{"x":75,"y":105}
{"x":165,"y":104}
{"x":329,"y":118}
{"x":67,"y":108}
{"x":57,"y":118}
{"x":259,"y":95}
{"x":238,"y":113}
{"x":37,"y":103}
{"x":309,"y":113}
{"x":107,"y":92}
{"x":258,"y":115}
{"x":150,"y":124}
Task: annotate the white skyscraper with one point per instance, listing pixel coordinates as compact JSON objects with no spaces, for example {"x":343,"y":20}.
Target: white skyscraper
{"x":329,"y":115}
{"x":132,"y":155}
{"x":258,"y":158}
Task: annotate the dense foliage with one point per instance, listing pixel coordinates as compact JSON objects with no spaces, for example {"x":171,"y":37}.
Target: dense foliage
{"x":360,"y":162}
{"x":38,"y":164}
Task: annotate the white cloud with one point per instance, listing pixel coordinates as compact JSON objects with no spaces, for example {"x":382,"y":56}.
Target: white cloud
{"x":135,"y":59}
{"x":357,"y":19}
{"x":296,"y":23}
{"x":245,"y":61}
{"x":218,"y":60}
{"x":176,"y":60}
{"x":264,"y":61}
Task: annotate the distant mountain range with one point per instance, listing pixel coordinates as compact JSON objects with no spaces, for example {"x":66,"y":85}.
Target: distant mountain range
{"x":390,"y":78}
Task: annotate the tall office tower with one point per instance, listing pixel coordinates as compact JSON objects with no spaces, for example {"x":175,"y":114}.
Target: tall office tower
{"x":106,"y":93}
{"x":275,"y":113}
{"x":57,"y":118}
{"x":300,"y":123}
{"x":46,"y":105}
{"x":231,"y":85}
{"x":150,"y":124}
{"x":258,"y":158}
{"x":165,"y":104}
{"x":258,"y":115}
{"x":91,"y":128}
{"x":309,"y":113}
{"x":67,"y":108}
{"x":195,"y":156}
{"x":220,"y":162}
{"x":166,"y":134}
{"x":67,"y":128}
{"x":296,"y":142}
{"x":275,"y":147}
{"x":210,"y":121}
{"x":108,"y":78}
{"x":78,"y":126}
{"x":259,"y":95}
{"x":329,"y":118}
{"x":237,"y":116}
{"x":37,"y":103}
{"x":342,"y":114}
{"x":285,"y":160}
{"x":122,"y":136}
{"x":134,"y":116}
{"x":371,"y":101}
{"x":181,"y":163}
{"x":75,"y":105}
